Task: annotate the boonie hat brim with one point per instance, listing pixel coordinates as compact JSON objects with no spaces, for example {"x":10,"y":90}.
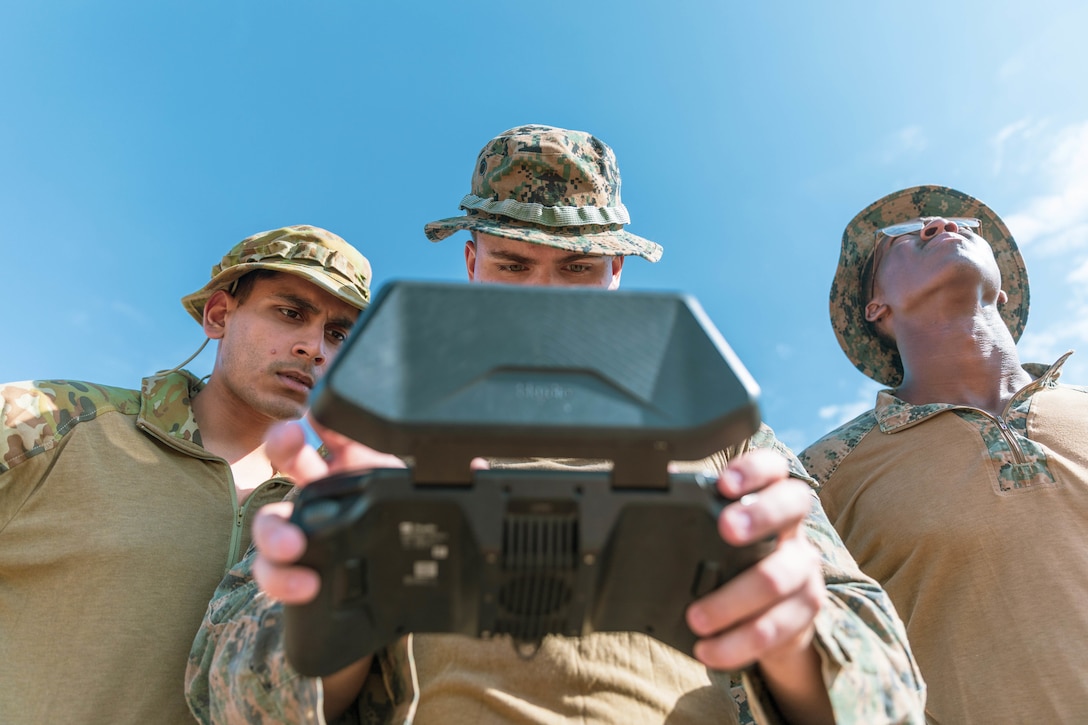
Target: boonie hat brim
{"x":312,"y":253}
{"x":195,"y":302}
{"x":608,"y":240}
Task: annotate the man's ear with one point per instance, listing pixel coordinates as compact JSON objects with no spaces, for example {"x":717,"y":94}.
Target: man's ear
{"x":874,"y":311}
{"x":617,"y":269}
{"x":216,"y":310}
{"x":470,"y":260}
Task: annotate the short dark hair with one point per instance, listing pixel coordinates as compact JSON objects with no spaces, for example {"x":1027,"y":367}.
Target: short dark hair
{"x":243,"y":286}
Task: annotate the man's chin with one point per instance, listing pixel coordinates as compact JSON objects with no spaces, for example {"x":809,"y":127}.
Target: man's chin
{"x":285,"y":409}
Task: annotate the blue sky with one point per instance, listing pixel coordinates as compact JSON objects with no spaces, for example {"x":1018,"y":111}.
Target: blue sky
{"x":140,"y":140}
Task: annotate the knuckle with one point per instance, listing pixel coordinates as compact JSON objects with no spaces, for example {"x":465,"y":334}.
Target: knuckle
{"x":763,"y":633}
{"x":775,"y":579}
{"x":815,"y":594}
{"x":718,"y":655}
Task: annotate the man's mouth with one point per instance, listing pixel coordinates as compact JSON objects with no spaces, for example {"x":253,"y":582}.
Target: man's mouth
{"x":297,"y":379}
{"x":944,"y":237}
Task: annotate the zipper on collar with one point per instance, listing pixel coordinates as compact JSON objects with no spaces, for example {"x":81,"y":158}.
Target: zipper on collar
{"x":1010,"y":437}
{"x":1002,"y":420}
{"x":234,"y":553}
{"x":236,"y":532}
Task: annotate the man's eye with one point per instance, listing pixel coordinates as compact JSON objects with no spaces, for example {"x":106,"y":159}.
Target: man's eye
{"x":290,"y":313}
{"x":337,"y":335}
{"x":580,"y":268}
{"x":512,"y":268}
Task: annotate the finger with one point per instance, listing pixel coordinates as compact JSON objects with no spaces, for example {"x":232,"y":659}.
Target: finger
{"x":279,"y":544}
{"x":754,"y":470}
{"x":785,"y":627}
{"x":289,"y":453}
{"x":776,"y":510}
{"x":284,"y":439}
{"x":275,"y":538}
{"x":479,"y":464}
{"x":291,"y":584}
{"x":791,"y":571}
{"x":346,"y":454}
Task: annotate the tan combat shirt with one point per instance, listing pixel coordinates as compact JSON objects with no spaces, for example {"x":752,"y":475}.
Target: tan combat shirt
{"x":977,"y":526}
{"x":238,"y":671}
{"x":115,"y":527}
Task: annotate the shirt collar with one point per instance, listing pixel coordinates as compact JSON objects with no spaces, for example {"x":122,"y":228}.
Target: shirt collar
{"x":893,"y":414}
{"x":167,"y":404}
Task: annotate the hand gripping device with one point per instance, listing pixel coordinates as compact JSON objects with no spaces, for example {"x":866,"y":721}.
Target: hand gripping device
{"x":442,"y":373}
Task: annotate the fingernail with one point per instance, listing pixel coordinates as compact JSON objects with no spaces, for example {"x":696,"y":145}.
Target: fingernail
{"x":740,"y":521}
{"x":732,"y":479}
{"x":696,"y":619}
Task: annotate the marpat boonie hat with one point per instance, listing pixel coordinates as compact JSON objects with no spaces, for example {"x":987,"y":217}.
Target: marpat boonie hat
{"x":549,"y":186}
{"x":313,"y":253}
{"x":871,"y":355}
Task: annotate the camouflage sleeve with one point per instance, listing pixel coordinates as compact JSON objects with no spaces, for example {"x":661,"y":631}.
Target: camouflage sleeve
{"x":763,"y":438}
{"x":35,"y":418}
{"x":238,"y":671}
{"x":868,"y":667}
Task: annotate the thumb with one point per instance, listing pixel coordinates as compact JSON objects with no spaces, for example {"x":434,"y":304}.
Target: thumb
{"x":289,"y":453}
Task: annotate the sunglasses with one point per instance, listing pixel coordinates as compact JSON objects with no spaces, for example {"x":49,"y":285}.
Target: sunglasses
{"x":898,"y":230}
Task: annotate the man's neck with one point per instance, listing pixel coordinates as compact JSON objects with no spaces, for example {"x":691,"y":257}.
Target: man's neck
{"x":234,"y":432}
{"x":970,"y":362}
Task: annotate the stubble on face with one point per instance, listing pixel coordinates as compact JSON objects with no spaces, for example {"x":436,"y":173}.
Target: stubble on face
{"x":278,"y":343}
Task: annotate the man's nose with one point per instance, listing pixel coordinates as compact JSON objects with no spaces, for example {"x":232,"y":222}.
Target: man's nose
{"x":313,"y":347}
{"x":938,"y":225}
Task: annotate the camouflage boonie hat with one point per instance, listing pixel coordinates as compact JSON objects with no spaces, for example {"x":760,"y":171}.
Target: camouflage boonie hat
{"x":313,"y":253}
{"x":549,"y":186}
{"x":869,"y":353}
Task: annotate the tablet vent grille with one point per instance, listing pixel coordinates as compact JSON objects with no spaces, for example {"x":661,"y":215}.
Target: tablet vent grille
{"x":539,"y":565}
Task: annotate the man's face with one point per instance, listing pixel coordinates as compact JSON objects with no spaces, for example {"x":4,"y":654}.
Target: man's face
{"x":277,"y":342}
{"x":494,"y":259}
{"x":939,"y":265}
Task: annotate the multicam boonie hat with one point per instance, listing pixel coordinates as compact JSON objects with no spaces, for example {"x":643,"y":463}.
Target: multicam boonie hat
{"x":869,"y":353}
{"x":313,"y":253}
{"x":550,"y":186}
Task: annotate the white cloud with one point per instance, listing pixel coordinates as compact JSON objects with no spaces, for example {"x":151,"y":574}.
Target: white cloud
{"x":1023,"y":129}
{"x":908,"y":141}
{"x":1055,"y":221}
{"x":1045,"y":341}
{"x":1053,"y":224}
{"x":1079,"y":275}
{"x":840,"y":413}
{"x":793,"y":438}
{"x":1044,"y":345}
{"x":1013,"y":129}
